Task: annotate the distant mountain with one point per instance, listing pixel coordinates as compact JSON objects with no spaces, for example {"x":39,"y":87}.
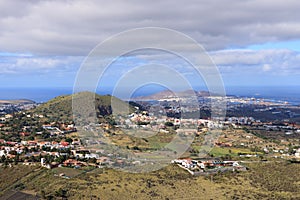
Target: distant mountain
{"x":17,"y":101}
{"x":157,"y":96}
{"x":170,"y":94}
{"x":61,"y":107}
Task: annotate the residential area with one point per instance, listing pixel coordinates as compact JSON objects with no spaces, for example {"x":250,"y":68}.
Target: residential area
{"x":39,"y":138}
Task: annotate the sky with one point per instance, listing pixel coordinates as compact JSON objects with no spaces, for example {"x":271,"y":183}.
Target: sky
{"x":252,"y":42}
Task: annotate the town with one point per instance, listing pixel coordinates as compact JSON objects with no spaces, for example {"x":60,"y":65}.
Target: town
{"x":34,"y":138}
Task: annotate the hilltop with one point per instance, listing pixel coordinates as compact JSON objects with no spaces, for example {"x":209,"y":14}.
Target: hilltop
{"x":60,"y":107}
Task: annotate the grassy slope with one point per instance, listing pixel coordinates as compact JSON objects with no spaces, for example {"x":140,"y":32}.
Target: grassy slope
{"x":223,"y":151}
{"x":11,"y":176}
{"x":60,"y":107}
{"x":263,"y":181}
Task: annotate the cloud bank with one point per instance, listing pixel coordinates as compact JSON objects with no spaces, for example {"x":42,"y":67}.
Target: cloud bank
{"x":74,"y":27}
{"x":40,"y":37}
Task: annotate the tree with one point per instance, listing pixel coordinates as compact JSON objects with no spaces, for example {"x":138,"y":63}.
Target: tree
{"x":16,"y":159}
{"x":69,"y":140}
{"x":31,"y":137}
{"x":26,"y":150}
{"x":61,"y":193}
{"x":169,"y":124}
{"x":3,"y":158}
{"x":93,"y":160}
{"x":13,"y":152}
{"x":61,"y":159}
{"x":32,"y":158}
{"x":6,"y":163}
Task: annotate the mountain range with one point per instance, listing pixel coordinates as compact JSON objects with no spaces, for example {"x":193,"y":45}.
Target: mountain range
{"x":170,"y":94}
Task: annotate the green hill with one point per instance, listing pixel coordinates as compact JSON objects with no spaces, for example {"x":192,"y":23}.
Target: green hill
{"x":60,"y":108}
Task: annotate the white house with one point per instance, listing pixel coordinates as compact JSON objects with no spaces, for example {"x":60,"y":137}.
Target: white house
{"x":297,"y":154}
{"x":2,"y":153}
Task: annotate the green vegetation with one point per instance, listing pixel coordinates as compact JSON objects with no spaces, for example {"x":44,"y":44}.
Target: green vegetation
{"x":60,"y":108}
{"x":271,"y":180}
{"x":265,"y":180}
{"x":10,"y":177}
{"x":223,"y":151}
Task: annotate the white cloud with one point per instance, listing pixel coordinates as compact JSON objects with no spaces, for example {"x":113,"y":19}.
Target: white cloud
{"x":239,"y":61}
{"x":38,"y":65}
{"x":74,"y":27}
{"x":276,"y":61}
{"x":54,"y":35}
{"x":266,"y":67}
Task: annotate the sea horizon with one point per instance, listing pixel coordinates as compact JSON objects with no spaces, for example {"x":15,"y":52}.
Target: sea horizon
{"x":290,"y":94}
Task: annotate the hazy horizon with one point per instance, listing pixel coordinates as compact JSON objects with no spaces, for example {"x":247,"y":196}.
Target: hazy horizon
{"x":43,"y":94}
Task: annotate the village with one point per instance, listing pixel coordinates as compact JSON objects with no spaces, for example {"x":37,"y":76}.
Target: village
{"x":32,"y":138}
{"x":208,"y":166}
{"x":69,"y":151}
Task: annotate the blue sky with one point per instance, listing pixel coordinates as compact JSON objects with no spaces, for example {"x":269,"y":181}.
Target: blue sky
{"x":41,"y":47}
{"x":293,"y":45}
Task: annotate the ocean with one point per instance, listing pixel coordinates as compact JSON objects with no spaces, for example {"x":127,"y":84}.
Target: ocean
{"x":290,"y":94}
